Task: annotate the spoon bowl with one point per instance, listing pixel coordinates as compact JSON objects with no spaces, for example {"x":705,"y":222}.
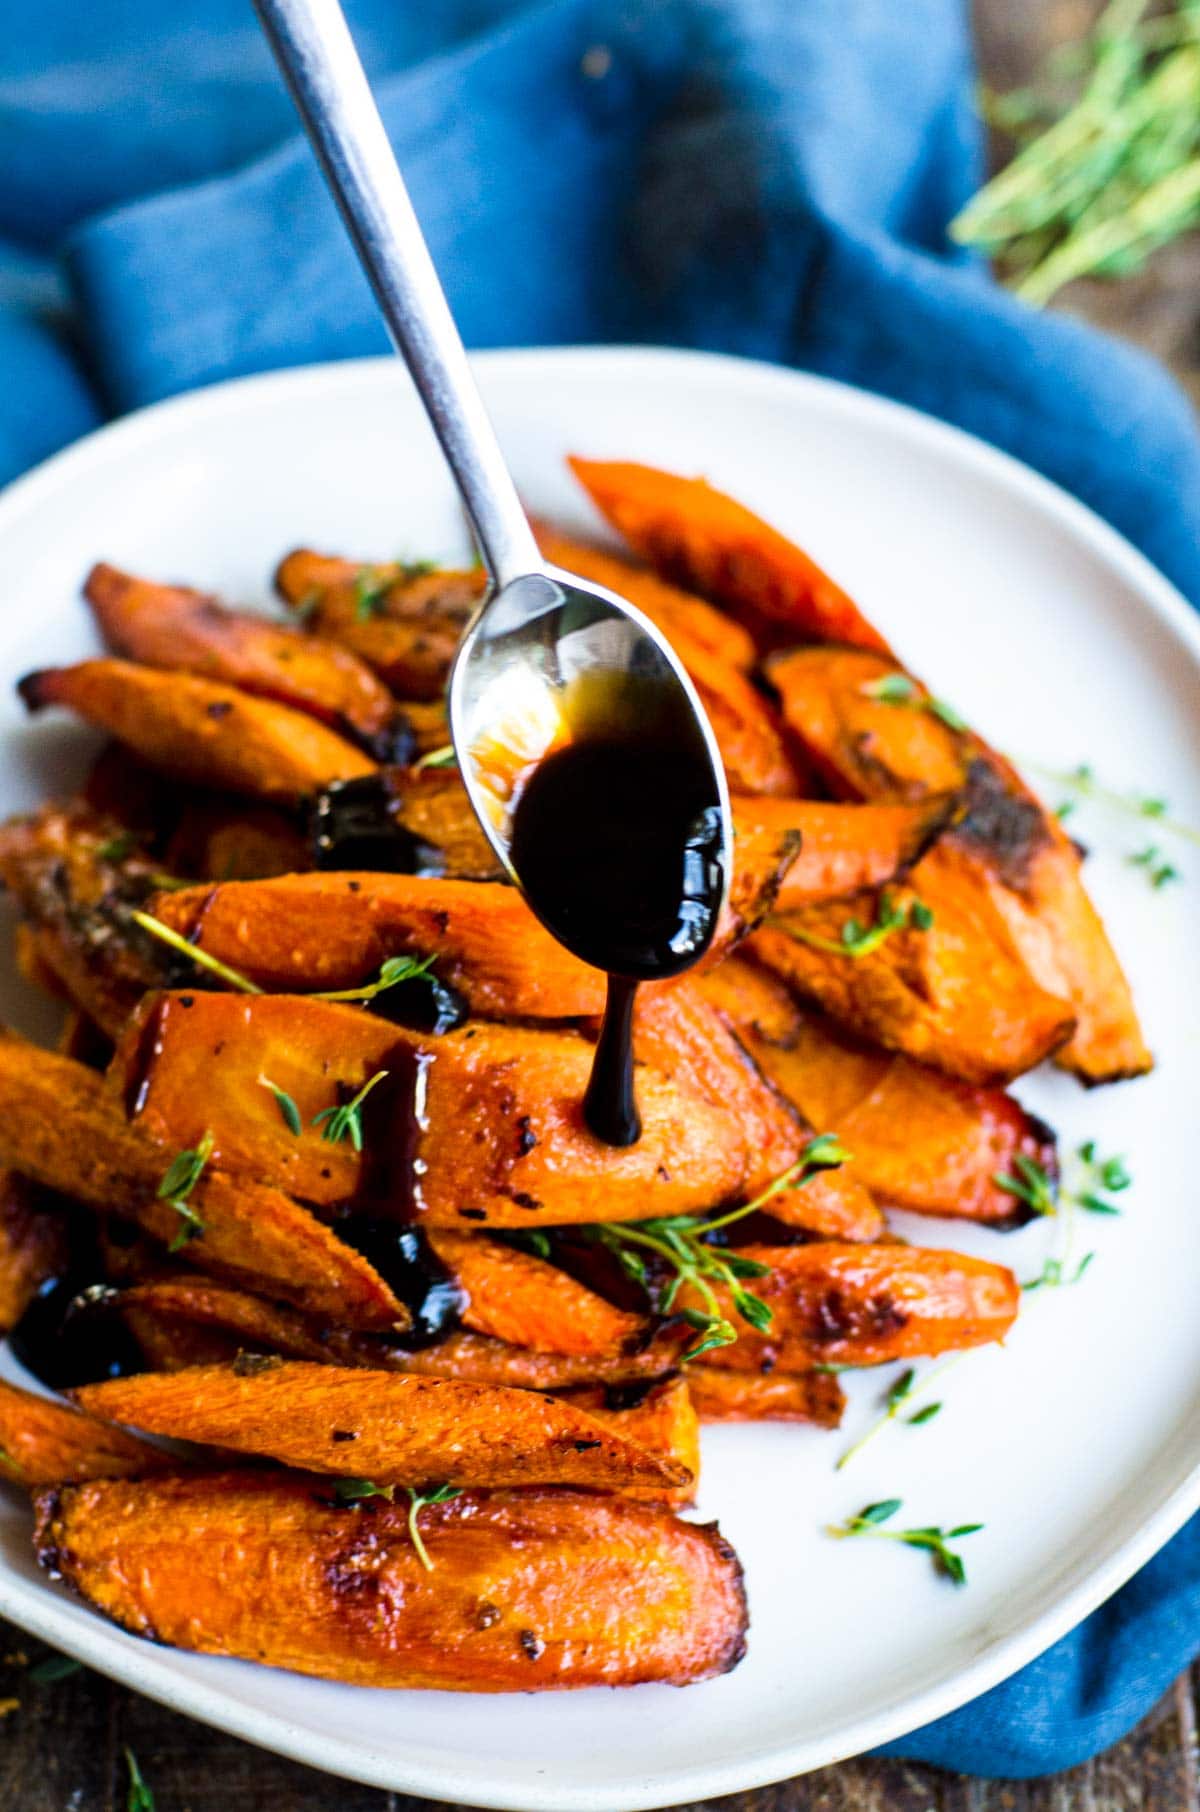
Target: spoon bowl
{"x":551,"y":664}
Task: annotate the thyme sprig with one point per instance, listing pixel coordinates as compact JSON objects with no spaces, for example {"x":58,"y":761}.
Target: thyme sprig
{"x":139,"y":1797}
{"x":395,"y":970}
{"x":417,"y":1500}
{"x":1031,"y":1184}
{"x":681,"y":1242}
{"x":1108,"y":165}
{"x":1081,"y":783}
{"x":1156,"y":867}
{"x":176,"y":941}
{"x":344,"y":1121}
{"x":1098,"y":1178}
{"x":181,"y":1176}
{"x":934,"y":1539}
{"x":857,"y":939}
{"x":289,"y":1112}
{"x":897,"y":1402}
{"x":445,"y":757}
{"x":372,"y":584}
{"x":900,"y":689}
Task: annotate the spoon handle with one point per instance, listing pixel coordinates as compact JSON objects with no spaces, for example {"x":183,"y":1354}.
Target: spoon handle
{"x":314,"y":49}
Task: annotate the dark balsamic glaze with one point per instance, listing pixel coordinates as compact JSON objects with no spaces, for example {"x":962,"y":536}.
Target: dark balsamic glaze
{"x":408,"y":1264}
{"x":620,"y":843}
{"x":356,"y":824}
{"x":70,"y":1334}
{"x":423,"y":1004}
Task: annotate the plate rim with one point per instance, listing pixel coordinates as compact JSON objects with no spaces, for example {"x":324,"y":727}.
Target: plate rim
{"x":112,"y":1652}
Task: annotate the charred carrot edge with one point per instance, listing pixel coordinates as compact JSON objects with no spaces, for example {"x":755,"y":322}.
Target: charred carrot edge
{"x":523,"y":1590}
{"x":390,"y":1427}
{"x":659,"y":1416}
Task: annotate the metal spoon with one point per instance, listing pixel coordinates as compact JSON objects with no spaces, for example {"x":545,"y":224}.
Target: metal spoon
{"x":548,"y":660}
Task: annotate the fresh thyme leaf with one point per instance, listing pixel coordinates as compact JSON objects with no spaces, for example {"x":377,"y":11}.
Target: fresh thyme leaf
{"x":345,"y":1121}
{"x":287,"y":1107}
{"x":933,"y":1539}
{"x":117,"y":848}
{"x":201,"y":958}
{"x":680,"y":1245}
{"x":438,"y":758}
{"x":924,"y":1415}
{"x":1083,"y":784}
{"x":395,"y":970}
{"x":1158,"y":870}
{"x":899,"y":1396}
{"x":372,"y":584}
{"x":181,"y":1177}
{"x":53,"y":1669}
{"x":417,"y":1500}
{"x":899,"y":689}
{"x":357,"y":1491}
{"x":139,"y":1797}
{"x":1031,"y":1184}
{"x":858,"y":939}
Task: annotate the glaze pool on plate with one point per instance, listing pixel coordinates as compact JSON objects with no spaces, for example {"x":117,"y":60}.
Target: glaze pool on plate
{"x":1078,"y":1446}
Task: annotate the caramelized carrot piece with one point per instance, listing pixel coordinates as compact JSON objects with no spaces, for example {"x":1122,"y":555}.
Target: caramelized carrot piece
{"x":842,"y":848}
{"x":392,"y":1429}
{"x":864,"y":1305}
{"x":517,"y":1297}
{"x":921,"y":1140}
{"x":685,"y":1035}
{"x":1015,"y":851}
{"x":526,"y":1590}
{"x":404,"y":623}
{"x":729,"y":1396}
{"x":186,"y":632}
{"x":223,"y":839}
{"x":660,"y":1417}
{"x":954,"y":992}
{"x":33,"y":1246}
{"x":699,"y":538}
{"x":44,"y":1442}
{"x":335,"y":930}
{"x":251,"y":1323}
{"x":201,"y":730}
{"x":529,"y":1158}
{"x":430,"y":807}
{"x":62,"y":1127}
{"x":322,"y":931}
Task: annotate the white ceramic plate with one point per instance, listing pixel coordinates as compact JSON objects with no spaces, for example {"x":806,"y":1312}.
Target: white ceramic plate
{"x":1079,"y":1444}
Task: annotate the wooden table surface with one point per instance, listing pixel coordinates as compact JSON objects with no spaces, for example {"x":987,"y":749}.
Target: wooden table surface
{"x":62,"y":1745}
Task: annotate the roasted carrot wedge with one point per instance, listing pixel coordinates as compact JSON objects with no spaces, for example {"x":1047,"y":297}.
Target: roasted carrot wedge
{"x":842,"y":848}
{"x":403,"y":622}
{"x":523,"y":1590}
{"x":253,"y":1324}
{"x":393,"y":1429}
{"x":529,"y":1158}
{"x":863,"y":1305}
{"x":517,"y":1297}
{"x":217,"y":838}
{"x":1014,"y":849}
{"x":701,"y":539}
{"x":33,"y":1246}
{"x":687,"y":1036}
{"x":403,"y":820}
{"x":946,"y":986}
{"x":44,"y":1442}
{"x":920,"y":1139}
{"x":186,"y":632}
{"x":728,"y":1396}
{"x":201,"y":730}
{"x":62,"y":1127}
{"x":335,"y":930}
{"x":320,"y":931}
{"x":660,"y":1417}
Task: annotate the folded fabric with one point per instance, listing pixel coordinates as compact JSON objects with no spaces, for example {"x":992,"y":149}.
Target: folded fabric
{"x":753,"y":176}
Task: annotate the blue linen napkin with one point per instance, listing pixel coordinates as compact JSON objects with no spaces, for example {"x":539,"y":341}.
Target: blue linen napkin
{"x":754,"y":176}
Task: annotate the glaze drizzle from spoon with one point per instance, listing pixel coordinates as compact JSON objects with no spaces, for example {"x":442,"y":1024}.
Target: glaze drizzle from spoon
{"x":620,"y":841}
